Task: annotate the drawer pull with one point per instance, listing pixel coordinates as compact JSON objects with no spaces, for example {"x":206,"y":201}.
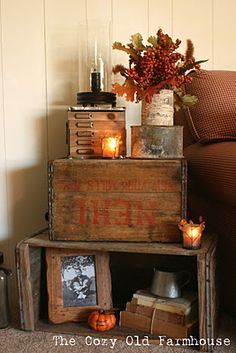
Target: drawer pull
{"x":83,"y":142}
{"x":84,"y":124}
{"x":84,"y":133}
{"x":85,"y":151}
{"x":83,"y":116}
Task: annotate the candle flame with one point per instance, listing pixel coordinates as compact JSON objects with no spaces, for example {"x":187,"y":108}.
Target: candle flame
{"x":112,"y":142}
{"x":195,"y":232}
{"x":110,"y":146}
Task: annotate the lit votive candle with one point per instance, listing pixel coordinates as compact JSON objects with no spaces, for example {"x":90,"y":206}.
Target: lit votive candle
{"x":110,"y":147}
{"x":192,"y":234}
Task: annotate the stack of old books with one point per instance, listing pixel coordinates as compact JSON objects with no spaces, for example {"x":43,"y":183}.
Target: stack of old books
{"x":176,"y":318}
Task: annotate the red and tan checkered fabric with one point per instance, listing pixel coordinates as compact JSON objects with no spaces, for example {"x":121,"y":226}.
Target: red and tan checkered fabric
{"x":212,"y":194}
{"x":214,"y":116}
{"x":214,"y":166}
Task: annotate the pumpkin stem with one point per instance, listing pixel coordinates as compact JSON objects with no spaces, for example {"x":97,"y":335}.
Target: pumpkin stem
{"x":108,"y":311}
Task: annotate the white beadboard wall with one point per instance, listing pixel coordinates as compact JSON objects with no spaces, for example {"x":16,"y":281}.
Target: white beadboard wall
{"x":39,"y":79}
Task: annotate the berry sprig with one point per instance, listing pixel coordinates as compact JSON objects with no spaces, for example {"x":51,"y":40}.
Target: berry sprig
{"x":155,"y":66}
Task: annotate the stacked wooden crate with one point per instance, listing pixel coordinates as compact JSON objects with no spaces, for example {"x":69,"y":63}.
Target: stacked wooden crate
{"x":116,"y":200}
{"x":32,"y":282}
{"x":175,"y":318}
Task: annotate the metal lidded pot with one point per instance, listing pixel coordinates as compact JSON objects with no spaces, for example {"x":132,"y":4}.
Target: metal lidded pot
{"x":4,"y":306}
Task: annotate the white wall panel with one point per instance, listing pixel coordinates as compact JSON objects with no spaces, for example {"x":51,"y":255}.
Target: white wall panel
{"x":224,"y":27}
{"x":25,"y":113}
{"x":98,"y":9}
{"x":160,"y":16}
{"x":3,"y":182}
{"x":62,"y":20}
{"x":128,"y":18}
{"x":24,"y":120}
{"x":193,"y":20}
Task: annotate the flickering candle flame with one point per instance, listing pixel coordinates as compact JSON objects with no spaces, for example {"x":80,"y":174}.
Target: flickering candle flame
{"x":110,"y":147}
{"x":192,"y":234}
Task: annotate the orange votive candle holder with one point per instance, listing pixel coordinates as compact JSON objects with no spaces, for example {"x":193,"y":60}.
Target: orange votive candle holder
{"x":192,"y":234}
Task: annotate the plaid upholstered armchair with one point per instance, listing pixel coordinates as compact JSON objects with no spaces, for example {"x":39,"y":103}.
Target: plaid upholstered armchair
{"x":210,"y":149}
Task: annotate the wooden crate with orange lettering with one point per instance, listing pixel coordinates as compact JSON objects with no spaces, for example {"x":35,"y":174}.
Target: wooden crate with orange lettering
{"x":116,"y":200}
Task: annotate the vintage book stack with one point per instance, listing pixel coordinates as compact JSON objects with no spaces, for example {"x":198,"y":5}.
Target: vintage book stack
{"x":176,"y":318}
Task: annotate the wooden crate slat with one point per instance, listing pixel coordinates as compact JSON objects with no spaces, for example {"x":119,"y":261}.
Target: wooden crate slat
{"x":25,"y":288}
{"x":42,"y":240}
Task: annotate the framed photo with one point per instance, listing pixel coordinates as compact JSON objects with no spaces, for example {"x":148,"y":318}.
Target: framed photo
{"x":78,"y":282}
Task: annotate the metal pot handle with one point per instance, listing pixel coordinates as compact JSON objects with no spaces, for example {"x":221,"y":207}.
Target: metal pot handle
{"x":186,"y":278}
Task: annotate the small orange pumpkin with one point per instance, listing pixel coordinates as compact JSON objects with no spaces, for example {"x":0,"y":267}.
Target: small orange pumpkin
{"x":102,"y":320}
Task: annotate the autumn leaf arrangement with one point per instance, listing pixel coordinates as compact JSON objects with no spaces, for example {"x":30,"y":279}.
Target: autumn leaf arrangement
{"x":156,"y":66}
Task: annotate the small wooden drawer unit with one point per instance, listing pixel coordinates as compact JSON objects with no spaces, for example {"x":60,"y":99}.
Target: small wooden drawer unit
{"x":116,"y":200}
{"x":86,"y":128}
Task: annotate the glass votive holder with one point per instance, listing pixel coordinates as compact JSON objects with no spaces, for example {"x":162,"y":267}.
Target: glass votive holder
{"x":192,"y":234}
{"x":110,"y":147}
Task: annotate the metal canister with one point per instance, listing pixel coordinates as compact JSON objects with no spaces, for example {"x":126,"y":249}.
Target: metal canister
{"x":4,"y":306}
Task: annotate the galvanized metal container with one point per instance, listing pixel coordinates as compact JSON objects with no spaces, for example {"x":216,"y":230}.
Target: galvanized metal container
{"x":157,"y":142}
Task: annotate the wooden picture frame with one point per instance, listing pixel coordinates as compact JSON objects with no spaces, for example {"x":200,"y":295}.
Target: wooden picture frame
{"x":78,"y":282}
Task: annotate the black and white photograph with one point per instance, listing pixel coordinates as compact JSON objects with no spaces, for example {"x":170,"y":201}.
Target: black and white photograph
{"x":78,"y":281}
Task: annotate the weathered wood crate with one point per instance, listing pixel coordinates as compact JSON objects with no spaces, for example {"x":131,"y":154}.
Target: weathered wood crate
{"x":116,"y":200}
{"x":31,"y":276}
{"x":86,"y":128}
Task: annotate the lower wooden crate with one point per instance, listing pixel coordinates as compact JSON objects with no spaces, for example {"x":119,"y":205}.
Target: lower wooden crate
{"x":31,"y":273}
